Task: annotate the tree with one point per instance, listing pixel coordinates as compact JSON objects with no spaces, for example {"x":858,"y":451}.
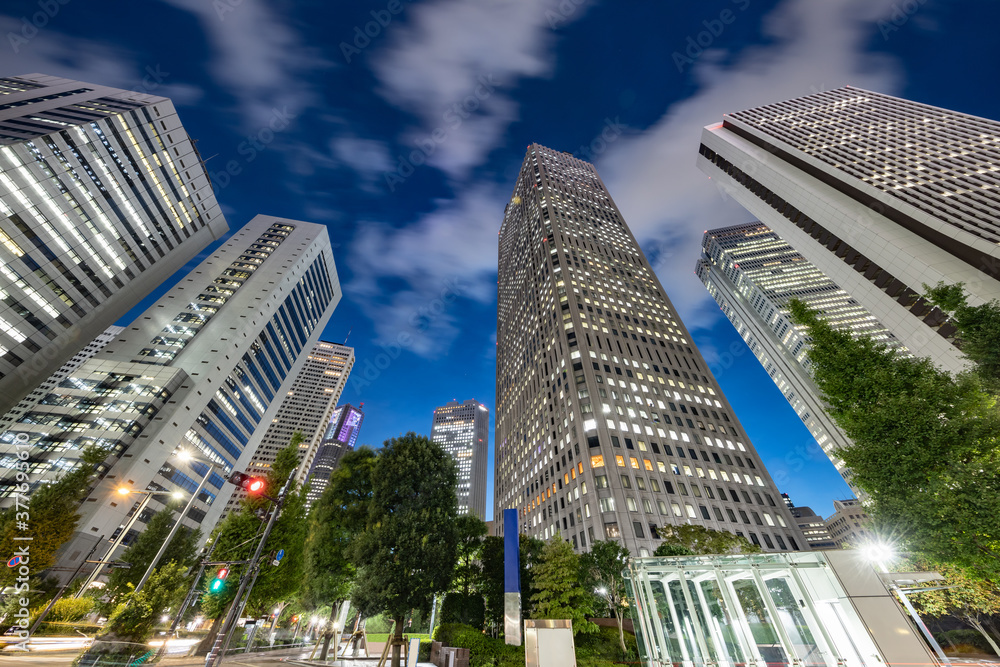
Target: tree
{"x":491,"y":583}
{"x":53,"y":514}
{"x":530,"y":551}
{"x":971,"y":600}
{"x":690,"y":540}
{"x":339,"y":514}
{"x":134,"y":620}
{"x":925,"y":442}
{"x":978,"y":333}
{"x":182,"y":549}
{"x":408,"y":549}
{"x":557,"y":582}
{"x":471,"y":531}
{"x":604,"y":572}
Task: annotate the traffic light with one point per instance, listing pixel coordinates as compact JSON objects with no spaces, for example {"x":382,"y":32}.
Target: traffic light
{"x":220,"y":579}
{"x":247,"y":482}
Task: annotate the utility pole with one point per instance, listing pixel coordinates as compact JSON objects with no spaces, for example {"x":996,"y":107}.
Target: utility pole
{"x":222,"y":639}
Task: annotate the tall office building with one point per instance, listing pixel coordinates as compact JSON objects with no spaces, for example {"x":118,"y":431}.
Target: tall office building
{"x":463,"y":429}
{"x":307,"y":408}
{"x":28,"y":403}
{"x":202,"y":370}
{"x":339,"y":438}
{"x":814,"y":529}
{"x":609,"y":422}
{"x":753,"y":274}
{"x":880,"y":194}
{"x":102,"y":196}
{"x":849,"y":524}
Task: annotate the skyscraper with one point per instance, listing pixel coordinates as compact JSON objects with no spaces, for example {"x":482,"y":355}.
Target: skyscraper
{"x":307,"y":407}
{"x":880,"y":194}
{"x":102,"y":196}
{"x":609,"y":422}
{"x":339,"y":438}
{"x":199,"y":370}
{"x":753,"y":274}
{"x":463,"y":429}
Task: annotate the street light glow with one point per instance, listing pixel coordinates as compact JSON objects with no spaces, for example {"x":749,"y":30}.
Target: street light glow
{"x":877,"y":552}
{"x":123,"y":490}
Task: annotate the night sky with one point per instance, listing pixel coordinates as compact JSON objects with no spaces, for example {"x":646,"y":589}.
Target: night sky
{"x":406,"y":141}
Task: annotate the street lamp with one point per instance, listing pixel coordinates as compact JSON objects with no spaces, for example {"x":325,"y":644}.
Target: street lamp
{"x":183,"y":456}
{"x":123,"y":491}
{"x":880,"y":553}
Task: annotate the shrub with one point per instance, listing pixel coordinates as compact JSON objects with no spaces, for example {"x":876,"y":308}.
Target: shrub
{"x":68,"y":610}
{"x":483,"y":651}
{"x":967,"y":637}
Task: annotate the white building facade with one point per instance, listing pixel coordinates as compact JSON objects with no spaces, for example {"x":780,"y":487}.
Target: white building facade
{"x":102,"y":196}
{"x":879,"y":193}
{"x":204,"y":370}
{"x":753,"y":274}
{"x":463,"y":429}
{"x":609,"y":423}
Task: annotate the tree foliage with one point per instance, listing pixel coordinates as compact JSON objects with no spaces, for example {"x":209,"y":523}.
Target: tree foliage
{"x":690,"y":540}
{"x":471,"y":533}
{"x":972,"y":601}
{"x":183,"y":549}
{"x":557,"y":584}
{"x":978,"y":328}
{"x":338,"y":515}
{"x":603,"y":569}
{"x":925,"y":442}
{"x":135,"y":618}
{"x":408,"y":549}
{"x":53,"y":514}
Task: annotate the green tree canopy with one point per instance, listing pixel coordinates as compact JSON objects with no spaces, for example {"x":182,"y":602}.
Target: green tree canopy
{"x":53,"y":511}
{"x":135,"y":618}
{"x":338,"y":515}
{"x":491,"y":584}
{"x":973,"y":601}
{"x":183,"y":550}
{"x":557,"y":585}
{"x":408,"y":550}
{"x":925,"y":443}
{"x":978,"y":328}
{"x":690,"y":540}
{"x":603,"y":570}
{"x":471,"y":533}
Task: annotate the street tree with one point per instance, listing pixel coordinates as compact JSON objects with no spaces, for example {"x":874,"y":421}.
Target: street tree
{"x":491,"y":583}
{"x":183,"y":549}
{"x":134,"y":619}
{"x":557,"y":585}
{"x":338,"y":515}
{"x":978,"y":332}
{"x":53,"y":514}
{"x":924,"y":442}
{"x":408,"y":550}
{"x":603,"y":569}
{"x":689,"y":540}
{"x":970,"y":600}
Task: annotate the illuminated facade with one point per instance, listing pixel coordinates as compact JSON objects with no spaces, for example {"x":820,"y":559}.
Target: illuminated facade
{"x":609,"y":422}
{"x":463,"y":429}
{"x":879,"y":193}
{"x":849,"y":524}
{"x":339,"y":437}
{"x":202,"y":369}
{"x":102,"y":196}
{"x":753,"y":274}
{"x":308,"y":408}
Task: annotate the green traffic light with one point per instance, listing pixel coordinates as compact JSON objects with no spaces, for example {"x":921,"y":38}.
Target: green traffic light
{"x":217,"y":585}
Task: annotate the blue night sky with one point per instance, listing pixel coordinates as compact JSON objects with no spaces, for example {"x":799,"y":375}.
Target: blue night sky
{"x":405,"y":142}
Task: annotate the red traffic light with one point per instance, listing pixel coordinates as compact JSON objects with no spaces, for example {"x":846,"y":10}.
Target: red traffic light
{"x":247,"y":483}
{"x":222,"y":573}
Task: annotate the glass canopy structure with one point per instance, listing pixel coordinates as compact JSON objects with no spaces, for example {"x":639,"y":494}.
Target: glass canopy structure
{"x":825,"y":609}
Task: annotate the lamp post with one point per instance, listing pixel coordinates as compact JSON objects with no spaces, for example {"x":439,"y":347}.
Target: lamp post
{"x":124,"y":491}
{"x":184,"y":456}
{"x":879,"y":554}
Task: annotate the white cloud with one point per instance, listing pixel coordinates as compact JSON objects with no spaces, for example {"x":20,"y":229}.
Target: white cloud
{"x":667,"y":201}
{"x":449,"y":255}
{"x":258,"y":57}
{"x":368,"y":158}
{"x":453,"y":64}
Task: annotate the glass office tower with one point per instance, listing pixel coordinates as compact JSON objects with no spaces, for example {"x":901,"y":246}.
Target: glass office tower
{"x":609,"y":423}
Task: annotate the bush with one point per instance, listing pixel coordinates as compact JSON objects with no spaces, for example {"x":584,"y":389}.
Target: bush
{"x":68,"y":610}
{"x":483,"y":651}
{"x":602,"y":648}
{"x":465,"y":609}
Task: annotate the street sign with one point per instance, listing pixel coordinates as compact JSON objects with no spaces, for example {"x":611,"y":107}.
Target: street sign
{"x":118,"y":564}
{"x":280,"y":554}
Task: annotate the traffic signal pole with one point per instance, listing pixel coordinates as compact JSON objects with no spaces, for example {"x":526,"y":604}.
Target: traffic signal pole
{"x":222,"y":639}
